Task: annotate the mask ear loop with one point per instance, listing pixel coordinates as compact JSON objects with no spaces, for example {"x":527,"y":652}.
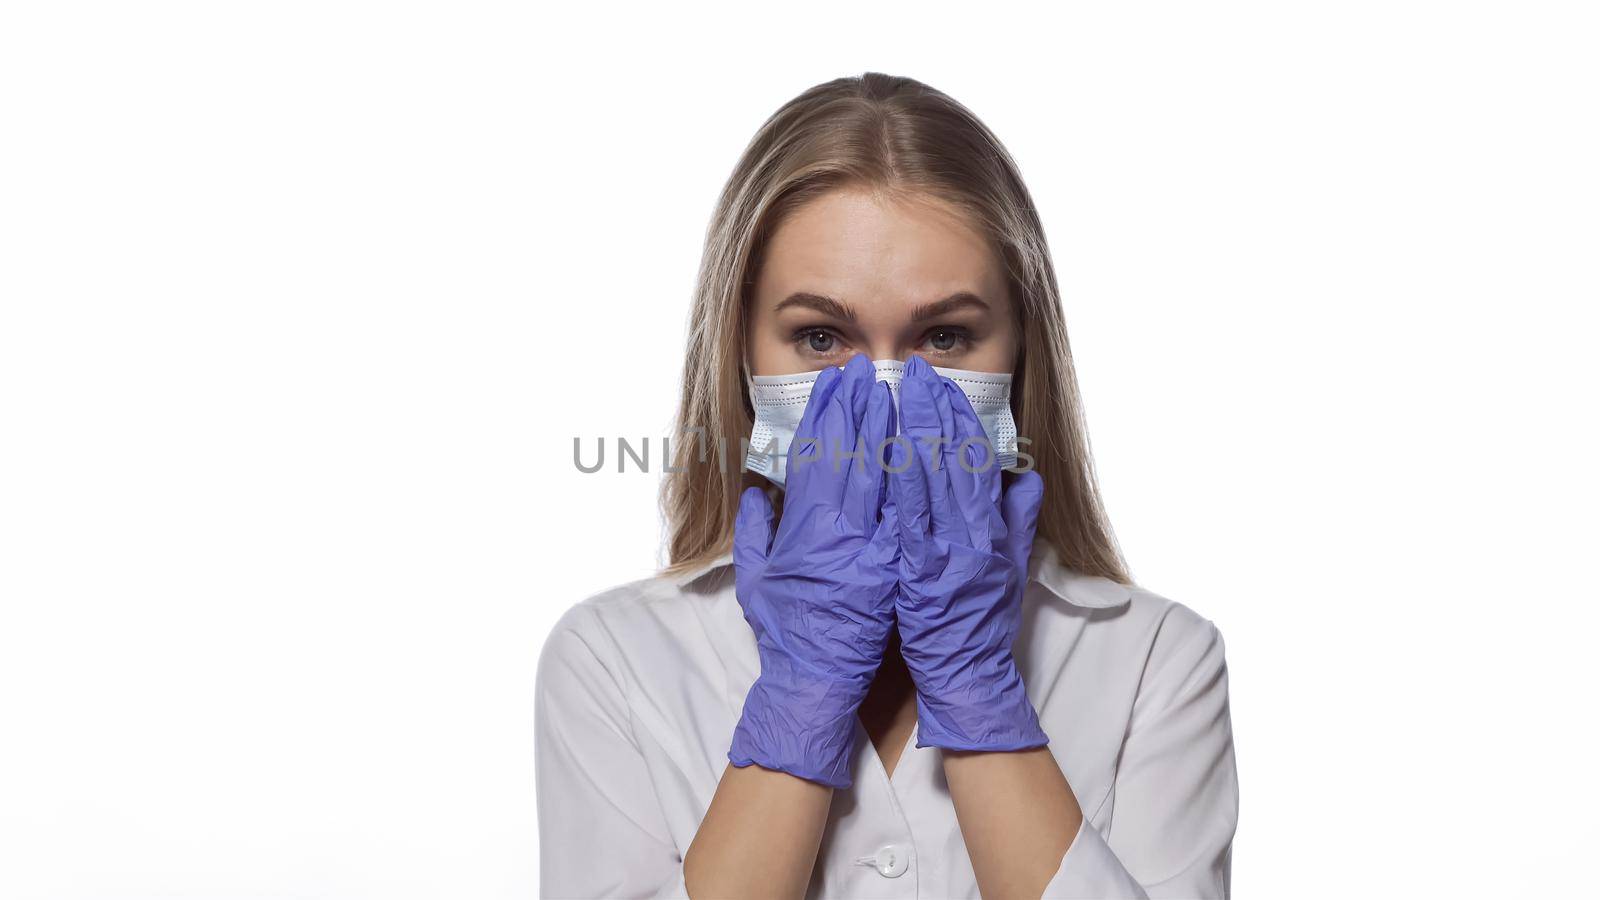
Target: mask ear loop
{"x":748,"y":384}
{"x":775,"y":493}
{"x":1013,"y":401}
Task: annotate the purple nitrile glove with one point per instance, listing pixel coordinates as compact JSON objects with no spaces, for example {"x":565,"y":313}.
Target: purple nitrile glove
{"x":818,"y":593}
{"x":963,"y":565}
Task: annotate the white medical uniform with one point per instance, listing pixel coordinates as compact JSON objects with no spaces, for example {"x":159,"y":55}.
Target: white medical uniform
{"x":639,"y":689}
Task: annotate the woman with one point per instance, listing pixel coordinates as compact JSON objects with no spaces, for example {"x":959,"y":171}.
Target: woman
{"x":898,"y":672}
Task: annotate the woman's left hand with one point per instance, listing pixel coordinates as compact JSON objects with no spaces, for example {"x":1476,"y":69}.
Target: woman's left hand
{"x":964,"y":553}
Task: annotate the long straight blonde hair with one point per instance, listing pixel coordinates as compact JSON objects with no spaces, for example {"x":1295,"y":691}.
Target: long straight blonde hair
{"x":896,"y":136}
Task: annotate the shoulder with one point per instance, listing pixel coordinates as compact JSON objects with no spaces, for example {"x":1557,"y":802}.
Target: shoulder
{"x":1170,"y":621}
{"x":1124,"y":613}
{"x":595,"y":620}
{"x":1186,"y":652}
{"x":1163,"y":647}
{"x":1129,"y":615}
{"x":581,"y":664}
{"x":628,"y":627}
{"x":661,"y":651}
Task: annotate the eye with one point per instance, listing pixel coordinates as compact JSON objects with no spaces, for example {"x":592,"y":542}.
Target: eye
{"x":818,"y":342}
{"x":948,"y":340}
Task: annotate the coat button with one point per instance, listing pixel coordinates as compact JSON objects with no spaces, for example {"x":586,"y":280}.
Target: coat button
{"x":893,"y":860}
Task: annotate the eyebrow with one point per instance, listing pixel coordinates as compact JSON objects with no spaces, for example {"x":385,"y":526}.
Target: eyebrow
{"x":825,"y":305}
{"x":831,"y":307}
{"x":958,"y":300}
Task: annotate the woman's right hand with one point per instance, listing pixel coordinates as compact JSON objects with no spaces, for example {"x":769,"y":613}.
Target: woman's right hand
{"x":820,"y":592}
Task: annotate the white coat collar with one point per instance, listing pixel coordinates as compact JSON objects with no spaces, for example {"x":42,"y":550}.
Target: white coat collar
{"x":1088,"y":591}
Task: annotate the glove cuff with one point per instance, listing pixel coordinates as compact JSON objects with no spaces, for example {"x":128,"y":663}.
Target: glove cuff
{"x":805,"y":728}
{"x":993,"y":714}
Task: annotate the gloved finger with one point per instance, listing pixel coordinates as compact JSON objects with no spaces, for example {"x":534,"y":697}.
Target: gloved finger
{"x":897,"y":465}
{"x":908,"y":488}
{"x":928,"y":418}
{"x":864,"y":495}
{"x":1020,"y":507}
{"x":837,"y":429}
{"x":855,"y":389}
{"x":805,"y":452}
{"x":974,"y":474}
{"x":886,"y":534}
{"x":752,"y":529}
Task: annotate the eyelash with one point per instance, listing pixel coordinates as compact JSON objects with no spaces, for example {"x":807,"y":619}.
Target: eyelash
{"x":962,"y":335}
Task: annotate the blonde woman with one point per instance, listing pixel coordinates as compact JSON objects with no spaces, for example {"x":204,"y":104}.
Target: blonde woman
{"x":894,"y":678}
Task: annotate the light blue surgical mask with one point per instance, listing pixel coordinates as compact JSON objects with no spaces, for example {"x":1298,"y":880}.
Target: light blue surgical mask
{"x":780,"y":400}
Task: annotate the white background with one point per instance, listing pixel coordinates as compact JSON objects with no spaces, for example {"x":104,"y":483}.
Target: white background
{"x":304,"y":304}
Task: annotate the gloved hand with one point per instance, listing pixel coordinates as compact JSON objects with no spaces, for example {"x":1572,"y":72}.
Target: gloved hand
{"x":963,"y":566}
{"x":819,"y":594}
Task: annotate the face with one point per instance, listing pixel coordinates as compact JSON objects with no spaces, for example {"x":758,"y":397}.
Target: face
{"x":851,"y":273}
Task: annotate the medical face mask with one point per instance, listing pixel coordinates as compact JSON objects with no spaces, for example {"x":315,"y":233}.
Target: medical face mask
{"x":780,"y":401}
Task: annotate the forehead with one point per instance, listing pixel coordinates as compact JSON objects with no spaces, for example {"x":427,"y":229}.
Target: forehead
{"x":866,"y":250}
